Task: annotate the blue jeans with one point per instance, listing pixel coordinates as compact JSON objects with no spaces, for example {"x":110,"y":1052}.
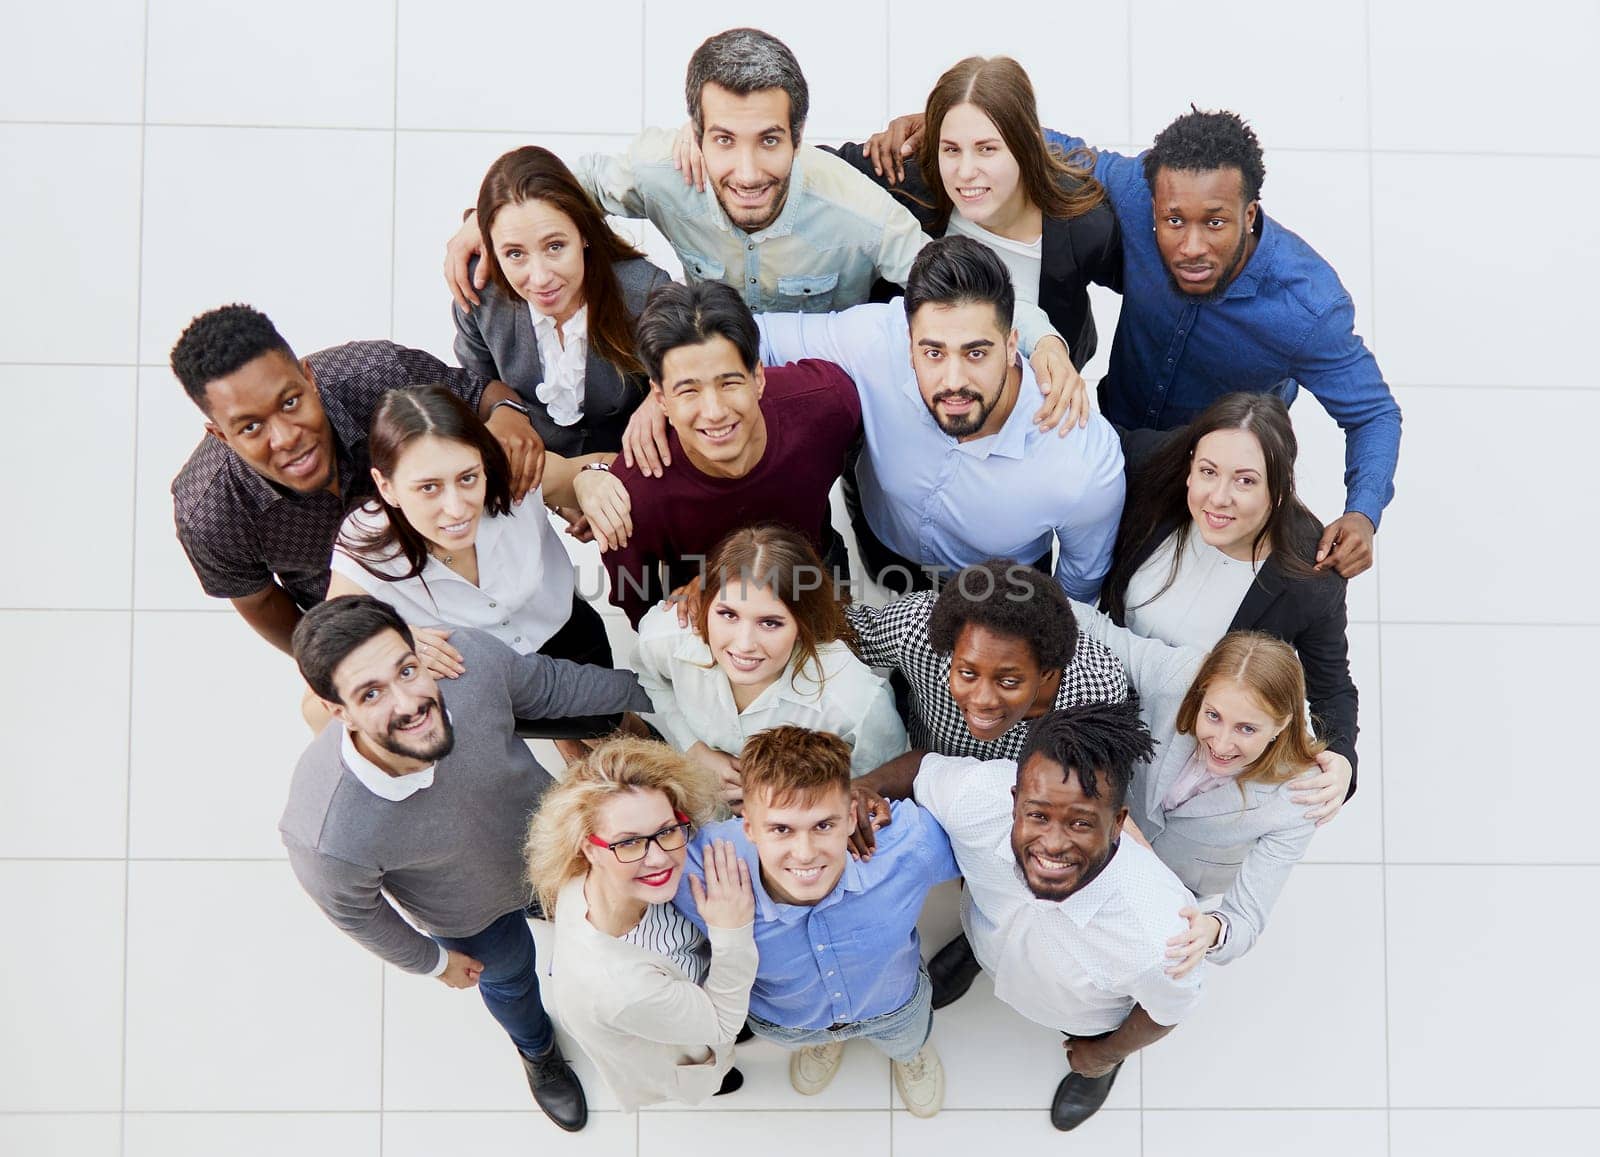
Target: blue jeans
{"x":509,"y":983}
{"x":899,"y":1033}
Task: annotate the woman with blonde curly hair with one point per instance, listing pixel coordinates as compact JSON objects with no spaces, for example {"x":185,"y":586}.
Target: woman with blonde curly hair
{"x":656,"y":1006}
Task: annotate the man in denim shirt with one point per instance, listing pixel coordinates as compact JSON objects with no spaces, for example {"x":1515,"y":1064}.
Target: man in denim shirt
{"x":790,"y":227}
{"x":1218,"y":297}
{"x":837,"y":936}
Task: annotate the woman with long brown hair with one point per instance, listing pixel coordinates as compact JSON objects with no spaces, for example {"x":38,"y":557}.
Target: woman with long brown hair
{"x":556,"y":320}
{"x":769,"y":645}
{"x":986,"y":172}
{"x":1216,"y":801}
{"x":1214,"y":539}
{"x":445,"y":546}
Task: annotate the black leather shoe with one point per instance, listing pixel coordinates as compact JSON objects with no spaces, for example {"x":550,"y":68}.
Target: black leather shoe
{"x":952,"y":970}
{"x":1078,"y":1098}
{"x":732,"y":1082}
{"x":556,"y":1089}
{"x":746,"y":1035}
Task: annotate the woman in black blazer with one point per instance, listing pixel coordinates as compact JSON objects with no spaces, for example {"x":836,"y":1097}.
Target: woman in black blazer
{"x":551,"y":255}
{"x":1214,"y":503}
{"x":998,"y":182}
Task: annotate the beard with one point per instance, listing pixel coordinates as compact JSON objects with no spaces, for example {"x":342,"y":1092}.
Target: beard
{"x":429,"y":752}
{"x":747,"y":219}
{"x":1055,"y":893}
{"x":965,"y":425}
{"x":1216,"y":292}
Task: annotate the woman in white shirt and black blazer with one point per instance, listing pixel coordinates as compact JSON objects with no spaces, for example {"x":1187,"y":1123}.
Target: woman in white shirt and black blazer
{"x":655,"y":1005}
{"x":768,"y":645}
{"x":1215,"y":802}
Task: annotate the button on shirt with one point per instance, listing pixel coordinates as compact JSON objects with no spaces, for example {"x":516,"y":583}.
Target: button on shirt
{"x":524,"y":591}
{"x":1285,"y":319}
{"x":694,"y":700}
{"x":1079,"y":964}
{"x":855,"y":953}
{"x":241,"y":531}
{"x":935,"y":499}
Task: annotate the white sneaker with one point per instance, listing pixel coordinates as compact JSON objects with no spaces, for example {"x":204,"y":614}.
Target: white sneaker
{"x":812,"y":1069}
{"x":921,"y":1082}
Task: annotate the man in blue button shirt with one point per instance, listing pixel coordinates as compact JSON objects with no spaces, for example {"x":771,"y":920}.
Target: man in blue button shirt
{"x":954,"y":471}
{"x":1218,"y":297}
{"x":837,"y":937}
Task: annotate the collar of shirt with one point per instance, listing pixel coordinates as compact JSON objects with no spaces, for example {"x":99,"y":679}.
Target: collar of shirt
{"x":394,"y":788}
{"x":1249,"y":280}
{"x":770,"y":910}
{"x":792,"y":686}
{"x":348,"y":437}
{"x":787,"y":216}
{"x":1081,"y":906}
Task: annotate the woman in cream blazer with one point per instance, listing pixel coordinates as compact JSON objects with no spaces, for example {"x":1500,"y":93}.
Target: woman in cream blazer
{"x":1215,"y":801}
{"x":654,"y":1005}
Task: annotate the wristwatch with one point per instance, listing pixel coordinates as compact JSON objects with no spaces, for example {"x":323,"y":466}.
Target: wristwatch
{"x":606,"y":466}
{"x":1222,"y":933}
{"x":517,"y":406}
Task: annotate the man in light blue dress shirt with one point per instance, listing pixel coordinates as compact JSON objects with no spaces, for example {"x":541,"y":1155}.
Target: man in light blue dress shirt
{"x":954,"y":471}
{"x":837,"y":936}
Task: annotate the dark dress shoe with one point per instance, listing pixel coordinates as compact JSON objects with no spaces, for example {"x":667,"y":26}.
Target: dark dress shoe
{"x":746,"y":1035}
{"x":952,"y":971}
{"x":556,"y":1089}
{"x":1078,"y":1098}
{"x":732,"y":1082}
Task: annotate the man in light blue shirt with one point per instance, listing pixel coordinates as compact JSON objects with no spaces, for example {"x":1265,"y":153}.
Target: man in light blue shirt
{"x":837,"y":937}
{"x":954,"y":472}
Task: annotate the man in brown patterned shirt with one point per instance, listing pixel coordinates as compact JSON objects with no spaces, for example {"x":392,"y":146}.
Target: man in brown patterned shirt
{"x":260,"y":500}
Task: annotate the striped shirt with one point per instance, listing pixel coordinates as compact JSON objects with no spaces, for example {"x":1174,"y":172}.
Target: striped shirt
{"x":667,"y":932}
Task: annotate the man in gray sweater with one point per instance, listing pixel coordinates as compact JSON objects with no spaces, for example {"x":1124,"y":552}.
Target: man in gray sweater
{"x":430,"y":802}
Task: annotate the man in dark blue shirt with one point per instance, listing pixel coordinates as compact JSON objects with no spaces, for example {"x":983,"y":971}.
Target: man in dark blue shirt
{"x":1218,"y":297}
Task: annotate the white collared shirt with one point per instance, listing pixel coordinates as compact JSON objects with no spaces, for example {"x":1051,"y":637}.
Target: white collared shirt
{"x":694,"y":700}
{"x":1200,"y":605}
{"x":395,"y":788}
{"x":524,"y":591}
{"x":1079,"y":964}
{"x":565,"y":364}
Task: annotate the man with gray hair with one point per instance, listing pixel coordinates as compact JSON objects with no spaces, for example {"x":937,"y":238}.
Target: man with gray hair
{"x":790,"y":228}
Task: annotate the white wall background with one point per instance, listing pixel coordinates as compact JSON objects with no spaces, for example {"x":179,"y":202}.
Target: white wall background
{"x":164,"y":987}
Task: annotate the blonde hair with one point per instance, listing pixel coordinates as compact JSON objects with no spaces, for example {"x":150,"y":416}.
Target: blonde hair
{"x":1270,"y":671}
{"x":553,"y":852}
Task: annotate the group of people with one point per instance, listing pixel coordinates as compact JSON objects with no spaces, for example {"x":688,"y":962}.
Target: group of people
{"x":1112,"y":696}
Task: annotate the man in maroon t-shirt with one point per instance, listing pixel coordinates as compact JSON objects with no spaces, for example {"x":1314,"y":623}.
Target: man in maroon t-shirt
{"x":747,"y":445}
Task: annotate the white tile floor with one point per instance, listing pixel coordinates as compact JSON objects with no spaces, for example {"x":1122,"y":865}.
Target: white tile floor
{"x":166,"y":990}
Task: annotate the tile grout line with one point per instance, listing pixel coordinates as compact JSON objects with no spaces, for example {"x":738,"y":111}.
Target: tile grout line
{"x":1383,"y":833}
{"x":394,"y":293}
{"x":133,"y":579}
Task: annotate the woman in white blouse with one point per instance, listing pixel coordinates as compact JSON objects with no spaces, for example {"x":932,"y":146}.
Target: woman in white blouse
{"x":445,"y":546}
{"x":1215,"y":803}
{"x":656,"y":1006}
{"x":768,"y":645}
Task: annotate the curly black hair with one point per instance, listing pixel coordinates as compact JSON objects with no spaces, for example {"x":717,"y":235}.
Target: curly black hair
{"x":1198,"y":142}
{"x":1099,"y":741}
{"x":218,"y":342}
{"x":1009,"y":599}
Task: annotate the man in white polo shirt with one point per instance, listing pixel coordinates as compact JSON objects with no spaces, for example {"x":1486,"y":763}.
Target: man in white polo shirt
{"x":1070,"y":920}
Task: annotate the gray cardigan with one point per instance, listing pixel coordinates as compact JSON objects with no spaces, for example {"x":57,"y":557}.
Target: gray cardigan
{"x":496,"y":339}
{"x":451,"y":854}
{"x":1217,"y":843}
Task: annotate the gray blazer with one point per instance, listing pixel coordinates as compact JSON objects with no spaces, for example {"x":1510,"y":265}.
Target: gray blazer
{"x":496,"y":339}
{"x":1217,"y":843}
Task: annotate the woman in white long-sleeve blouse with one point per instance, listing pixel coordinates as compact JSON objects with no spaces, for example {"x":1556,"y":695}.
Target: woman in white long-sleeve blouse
{"x":654,"y":1004}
